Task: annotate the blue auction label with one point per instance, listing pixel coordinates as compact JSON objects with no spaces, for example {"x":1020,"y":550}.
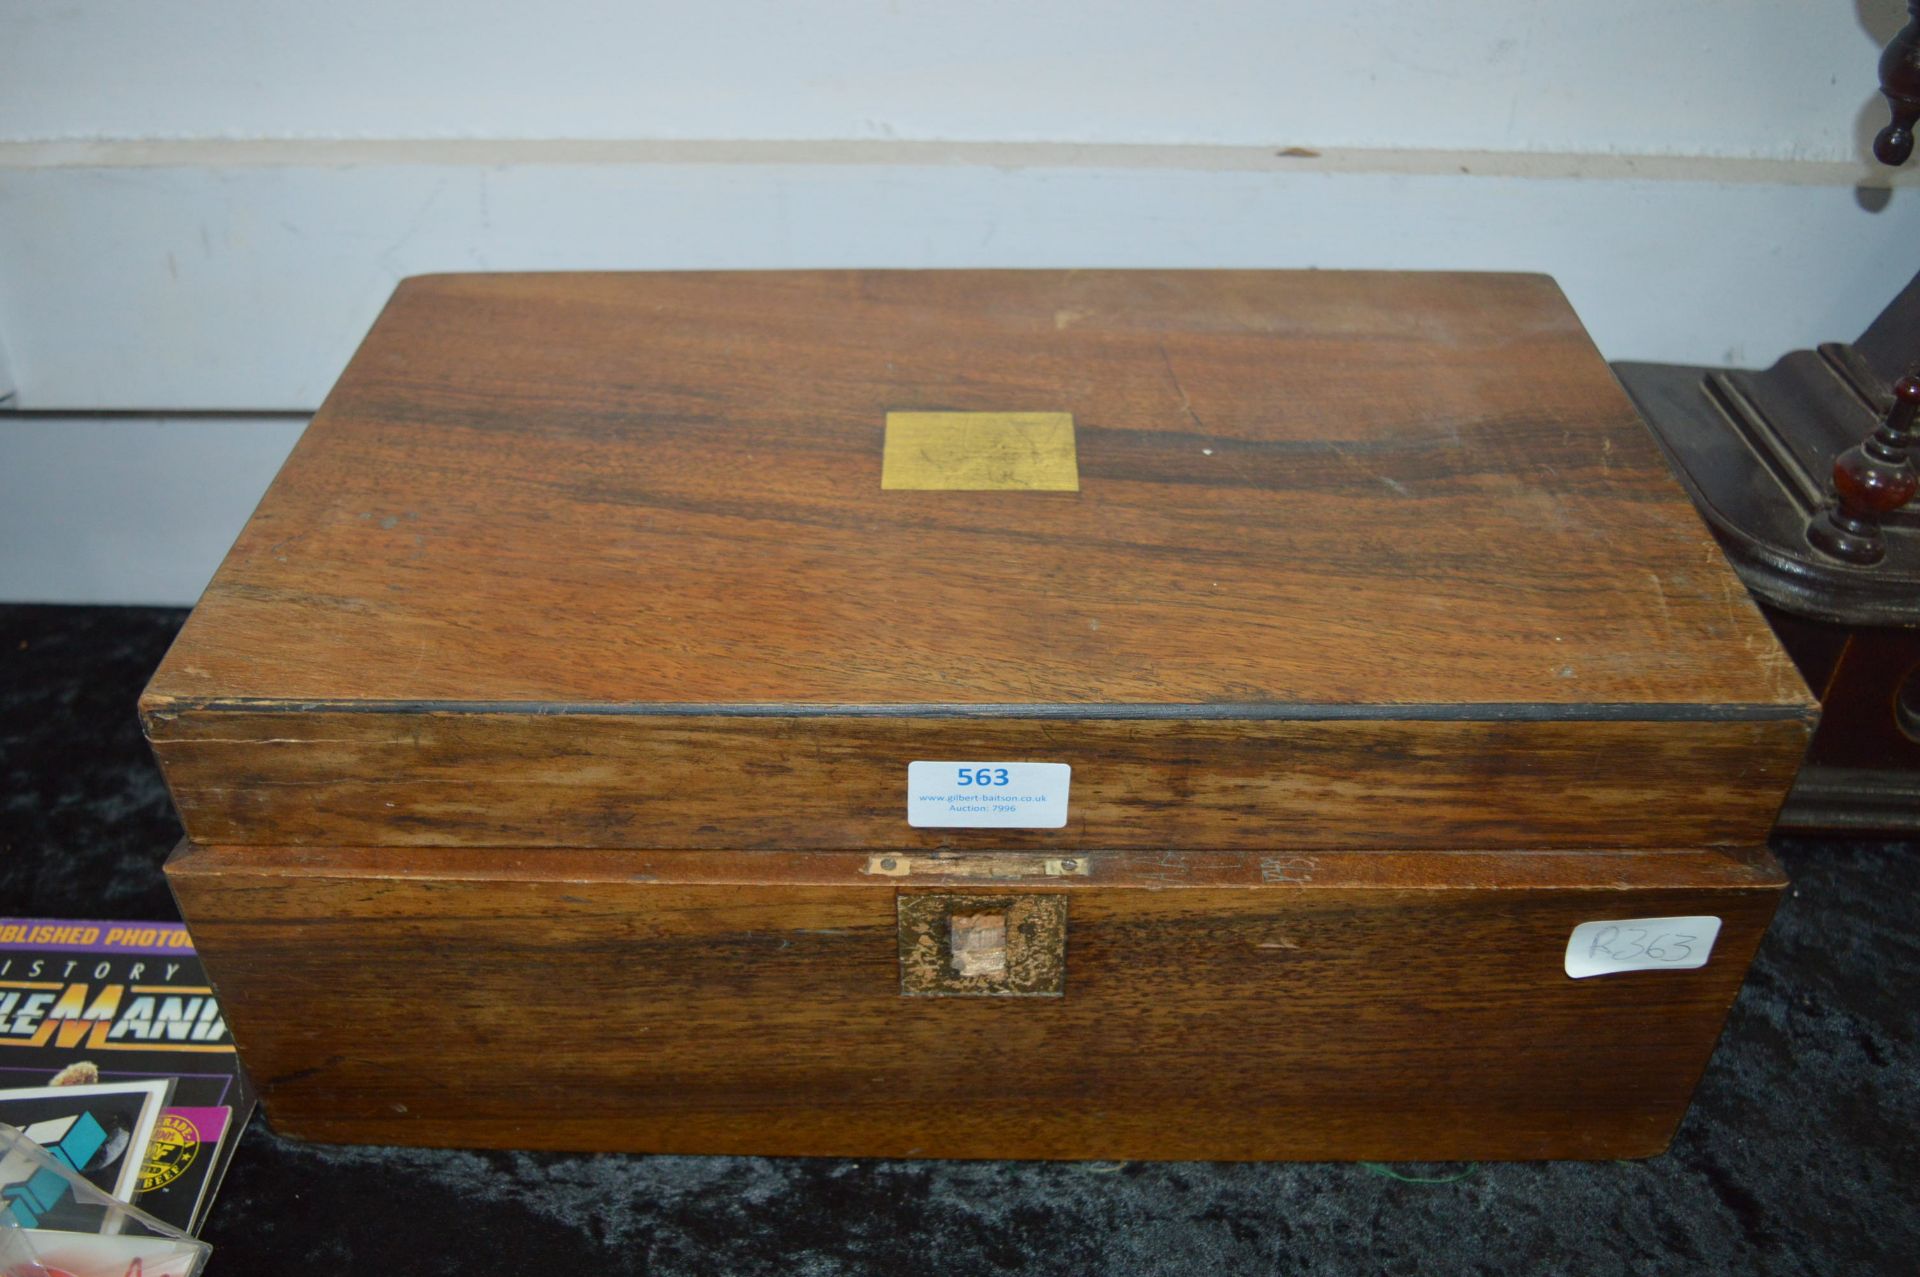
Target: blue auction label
{"x":987,"y":795}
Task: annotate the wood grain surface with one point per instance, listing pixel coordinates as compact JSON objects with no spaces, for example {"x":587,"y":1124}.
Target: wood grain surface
{"x":557,"y":780}
{"x":1339,"y":1005}
{"x":655,"y":500}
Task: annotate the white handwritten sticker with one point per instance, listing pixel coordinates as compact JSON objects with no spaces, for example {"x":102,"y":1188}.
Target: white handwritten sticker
{"x":987,"y":795}
{"x":1640,"y":944}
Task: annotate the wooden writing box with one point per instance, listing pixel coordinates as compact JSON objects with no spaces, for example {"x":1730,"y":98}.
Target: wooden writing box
{"x":544,"y":742}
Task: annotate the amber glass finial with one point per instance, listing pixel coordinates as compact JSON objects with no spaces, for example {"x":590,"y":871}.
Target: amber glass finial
{"x":1871,"y":480}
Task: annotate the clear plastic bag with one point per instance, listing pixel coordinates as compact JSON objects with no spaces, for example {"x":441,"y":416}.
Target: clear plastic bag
{"x":54,"y":1223}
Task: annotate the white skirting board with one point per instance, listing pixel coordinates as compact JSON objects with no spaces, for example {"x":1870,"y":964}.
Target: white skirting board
{"x":128,"y":509}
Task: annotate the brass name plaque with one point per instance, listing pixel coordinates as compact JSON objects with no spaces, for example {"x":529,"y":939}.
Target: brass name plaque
{"x":980,"y":452}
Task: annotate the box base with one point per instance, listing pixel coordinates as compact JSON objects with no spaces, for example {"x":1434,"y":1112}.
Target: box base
{"x":1351,"y":1005}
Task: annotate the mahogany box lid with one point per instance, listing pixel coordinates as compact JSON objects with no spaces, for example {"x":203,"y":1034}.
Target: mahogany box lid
{"x":1266,"y":559}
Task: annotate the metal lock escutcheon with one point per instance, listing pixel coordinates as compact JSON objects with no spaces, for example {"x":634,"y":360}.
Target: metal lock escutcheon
{"x":982,"y":945}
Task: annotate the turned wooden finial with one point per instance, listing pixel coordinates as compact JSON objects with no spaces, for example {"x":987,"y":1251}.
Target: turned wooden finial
{"x":1900,"y":82}
{"x":1871,"y":480}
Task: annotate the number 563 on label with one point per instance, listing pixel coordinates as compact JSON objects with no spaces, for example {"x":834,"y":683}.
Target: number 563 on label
{"x":963,"y":795}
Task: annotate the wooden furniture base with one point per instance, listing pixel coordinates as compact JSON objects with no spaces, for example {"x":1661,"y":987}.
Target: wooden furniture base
{"x":1862,"y":770}
{"x":1211,"y":1005}
{"x":1757,"y":452}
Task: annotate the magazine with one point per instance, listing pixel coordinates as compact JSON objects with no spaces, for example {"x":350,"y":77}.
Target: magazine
{"x":113,"y":1047}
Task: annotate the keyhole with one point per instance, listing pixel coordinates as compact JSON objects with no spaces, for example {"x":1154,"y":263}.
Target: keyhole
{"x":978,"y":942}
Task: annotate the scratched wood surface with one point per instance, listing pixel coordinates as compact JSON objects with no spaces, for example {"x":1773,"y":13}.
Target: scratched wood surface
{"x":655,"y":500}
{"x":1216,"y":1005}
{"x":777,"y":783}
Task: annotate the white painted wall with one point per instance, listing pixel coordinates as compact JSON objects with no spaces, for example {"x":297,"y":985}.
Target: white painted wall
{"x":1775,"y":78}
{"x":246,"y":287}
{"x":203,"y":206}
{"x":128,"y":510}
